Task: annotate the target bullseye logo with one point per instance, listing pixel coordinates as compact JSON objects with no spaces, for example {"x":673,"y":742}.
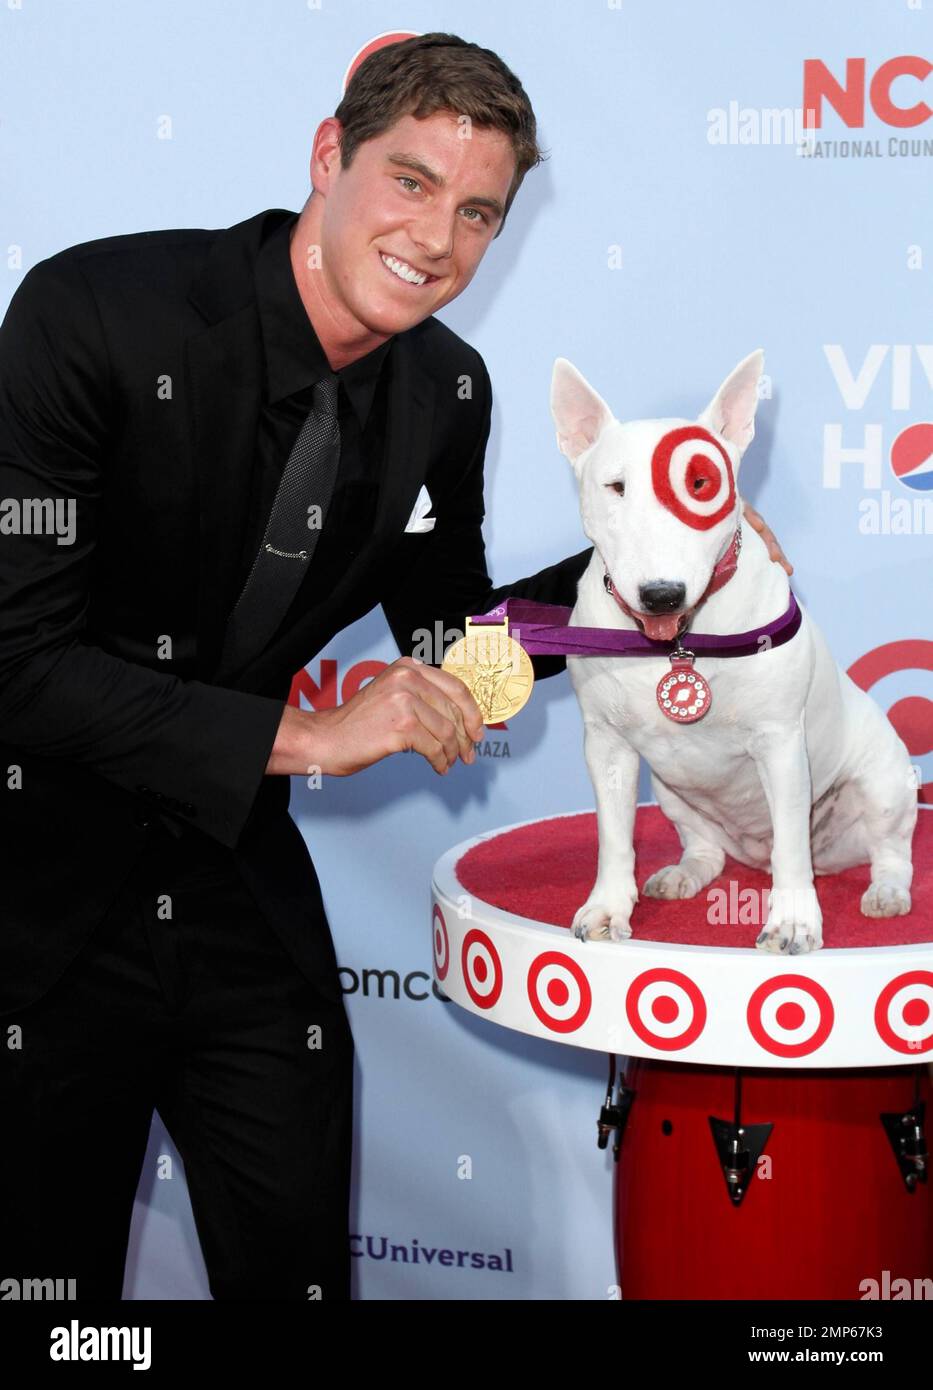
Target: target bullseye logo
{"x":904,"y":1012}
{"x":559,"y":992}
{"x":911,"y":716}
{"x":790,"y":1016}
{"x":691,"y":474}
{"x":666,"y":1009}
{"x":441,"y":943}
{"x":482,"y":969}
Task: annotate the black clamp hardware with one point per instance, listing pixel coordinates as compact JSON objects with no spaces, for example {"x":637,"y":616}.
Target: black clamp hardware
{"x":904,"y":1129}
{"x":614,"y":1113}
{"x":738,"y":1146}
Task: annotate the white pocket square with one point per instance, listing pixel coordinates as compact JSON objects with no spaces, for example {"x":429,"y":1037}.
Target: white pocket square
{"x":419,"y":519}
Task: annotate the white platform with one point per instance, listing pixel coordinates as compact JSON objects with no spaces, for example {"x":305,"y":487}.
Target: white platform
{"x":717,"y":1006}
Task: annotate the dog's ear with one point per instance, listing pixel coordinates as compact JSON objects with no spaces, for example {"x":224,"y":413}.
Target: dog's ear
{"x":731,"y":412}
{"x":579,"y":412}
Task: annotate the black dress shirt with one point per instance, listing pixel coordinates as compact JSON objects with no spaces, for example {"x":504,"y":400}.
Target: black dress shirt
{"x":295,"y":361}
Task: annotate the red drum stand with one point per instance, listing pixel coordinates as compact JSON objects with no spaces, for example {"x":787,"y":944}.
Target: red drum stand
{"x":770,"y":1128}
{"x":819,"y":1191}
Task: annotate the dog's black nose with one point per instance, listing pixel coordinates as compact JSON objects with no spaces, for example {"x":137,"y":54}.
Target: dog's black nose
{"x":661,"y":596}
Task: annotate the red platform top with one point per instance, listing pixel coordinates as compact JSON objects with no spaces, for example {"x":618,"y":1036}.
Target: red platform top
{"x":545,"y":871}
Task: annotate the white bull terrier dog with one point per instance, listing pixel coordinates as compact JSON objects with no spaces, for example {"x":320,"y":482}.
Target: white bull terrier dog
{"x":775,"y":757}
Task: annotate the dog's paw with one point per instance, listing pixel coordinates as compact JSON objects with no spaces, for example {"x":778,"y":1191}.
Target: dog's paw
{"x":885,"y":900}
{"x":789,"y":938}
{"x":794,"y":925}
{"x":597,"y":921}
{"x":673,"y":881}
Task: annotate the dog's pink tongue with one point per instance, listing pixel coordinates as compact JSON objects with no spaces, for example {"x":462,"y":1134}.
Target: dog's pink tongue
{"x":661,"y":627}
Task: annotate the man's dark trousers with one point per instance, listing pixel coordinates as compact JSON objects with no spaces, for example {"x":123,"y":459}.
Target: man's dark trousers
{"x":203,"y":1015}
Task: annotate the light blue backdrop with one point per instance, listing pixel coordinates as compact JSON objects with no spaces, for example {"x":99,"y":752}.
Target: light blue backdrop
{"x":655,"y":259}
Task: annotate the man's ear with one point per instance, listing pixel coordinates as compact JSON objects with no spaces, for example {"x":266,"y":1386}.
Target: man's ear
{"x":579,"y":412}
{"x":731,"y":412}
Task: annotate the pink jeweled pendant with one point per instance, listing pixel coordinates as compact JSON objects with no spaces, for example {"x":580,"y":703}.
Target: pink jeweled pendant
{"x":683,"y":694}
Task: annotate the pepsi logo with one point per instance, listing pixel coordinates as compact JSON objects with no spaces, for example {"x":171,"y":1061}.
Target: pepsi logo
{"x":559,"y":992}
{"x":790,"y":1016}
{"x":371,"y":46}
{"x":691,"y":474}
{"x":912,"y":457}
{"x":665,"y":1009}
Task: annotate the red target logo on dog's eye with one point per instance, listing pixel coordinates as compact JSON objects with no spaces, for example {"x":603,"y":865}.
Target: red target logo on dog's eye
{"x":692,"y":477}
{"x":701,"y":478}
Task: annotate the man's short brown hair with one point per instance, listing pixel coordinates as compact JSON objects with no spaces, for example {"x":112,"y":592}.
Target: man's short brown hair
{"x":439,"y":72}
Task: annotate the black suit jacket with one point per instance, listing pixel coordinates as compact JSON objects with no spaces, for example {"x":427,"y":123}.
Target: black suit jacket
{"x":130,"y":382}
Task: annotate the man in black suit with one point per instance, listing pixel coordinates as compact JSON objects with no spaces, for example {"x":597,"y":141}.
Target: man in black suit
{"x":172,"y":405}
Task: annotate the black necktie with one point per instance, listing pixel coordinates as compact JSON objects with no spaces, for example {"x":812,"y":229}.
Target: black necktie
{"x":291,"y":532}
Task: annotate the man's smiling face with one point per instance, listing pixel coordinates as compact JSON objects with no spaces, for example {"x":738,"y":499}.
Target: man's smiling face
{"x":418,"y":193}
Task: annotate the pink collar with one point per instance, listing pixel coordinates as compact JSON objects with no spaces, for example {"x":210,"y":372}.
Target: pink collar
{"x":723,"y":571}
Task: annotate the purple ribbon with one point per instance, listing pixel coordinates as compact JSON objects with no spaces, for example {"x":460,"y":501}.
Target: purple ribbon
{"x":543,"y":629}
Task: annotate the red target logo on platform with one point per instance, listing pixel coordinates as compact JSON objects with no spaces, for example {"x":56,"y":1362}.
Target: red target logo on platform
{"x":904,"y":1012}
{"x":790,"y":1016}
{"x":665,"y":1009}
{"x":691,"y":474}
{"x":559,"y":992}
{"x":481,"y":968}
{"x":441,"y":943}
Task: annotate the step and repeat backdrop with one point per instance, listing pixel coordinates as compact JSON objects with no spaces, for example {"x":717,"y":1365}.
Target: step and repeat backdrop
{"x":689,"y":211}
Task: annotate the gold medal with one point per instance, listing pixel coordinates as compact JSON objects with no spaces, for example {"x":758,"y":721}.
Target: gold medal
{"x":494,"y":667}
